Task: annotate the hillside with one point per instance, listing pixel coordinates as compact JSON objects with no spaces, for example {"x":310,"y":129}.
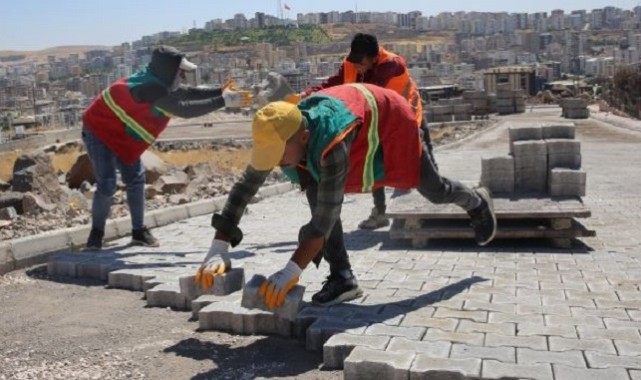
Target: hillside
{"x":41,"y":55}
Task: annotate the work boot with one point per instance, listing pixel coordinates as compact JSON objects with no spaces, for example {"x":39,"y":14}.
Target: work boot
{"x":483,"y":219}
{"x":94,"y":242}
{"x":336,"y":289}
{"x":375,"y":220}
{"x":144,"y":237}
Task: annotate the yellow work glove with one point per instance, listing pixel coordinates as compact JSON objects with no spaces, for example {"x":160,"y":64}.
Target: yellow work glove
{"x":237,"y":98}
{"x":230,"y":84}
{"x":215,"y":264}
{"x":276,"y":287}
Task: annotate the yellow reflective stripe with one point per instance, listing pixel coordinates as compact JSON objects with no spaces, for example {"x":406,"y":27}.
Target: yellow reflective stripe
{"x":162,"y":111}
{"x":373,"y":140}
{"x":139,"y":130}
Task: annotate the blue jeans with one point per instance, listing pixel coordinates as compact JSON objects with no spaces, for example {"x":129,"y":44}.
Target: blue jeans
{"x":104,"y":168}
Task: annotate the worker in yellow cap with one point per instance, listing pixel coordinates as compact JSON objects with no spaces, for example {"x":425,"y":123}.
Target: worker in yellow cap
{"x":345,"y":139}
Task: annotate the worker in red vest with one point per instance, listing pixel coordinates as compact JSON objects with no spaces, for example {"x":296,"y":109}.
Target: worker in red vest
{"x":350,"y":138}
{"x":367,"y":62}
{"x":126,"y":118}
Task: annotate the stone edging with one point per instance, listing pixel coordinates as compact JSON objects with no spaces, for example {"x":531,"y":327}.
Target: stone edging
{"x":31,"y":250}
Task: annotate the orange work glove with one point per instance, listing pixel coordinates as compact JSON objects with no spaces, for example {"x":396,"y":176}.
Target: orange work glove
{"x":276,"y":287}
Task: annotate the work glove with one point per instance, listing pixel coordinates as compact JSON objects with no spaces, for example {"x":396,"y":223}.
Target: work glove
{"x":237,"y":98}
{"x":215,"y":263}
{"x":276,"y":287}
{"x":230,"y":84}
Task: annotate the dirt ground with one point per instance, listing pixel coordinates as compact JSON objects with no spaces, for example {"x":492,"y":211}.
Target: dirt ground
{"x":66,"y":331}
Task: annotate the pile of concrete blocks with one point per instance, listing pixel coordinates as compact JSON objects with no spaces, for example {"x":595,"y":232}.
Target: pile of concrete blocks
{"x":542,"y":159}
{"x":508,"y":100}
{"x":575,"y":108}
{"x":479,"y":102}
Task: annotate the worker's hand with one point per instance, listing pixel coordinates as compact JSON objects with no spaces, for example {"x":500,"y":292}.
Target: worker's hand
{"x":293,"y":98}
{"x":276,"y":287}
{"x":230,"y":84}
{"x":215,"y":264}
{"x":237,"y":98}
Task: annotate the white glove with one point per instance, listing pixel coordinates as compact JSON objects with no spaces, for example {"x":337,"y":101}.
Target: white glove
{"x":212,"y":265}
{"x":237,"y":99}
{"x":276,"y":287}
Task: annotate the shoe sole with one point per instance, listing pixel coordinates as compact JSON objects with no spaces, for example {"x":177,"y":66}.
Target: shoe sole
{"x":488,"y":198}
{"x":369,"y":227}
{"x":347,"y":296}
{"x":143,"y":244}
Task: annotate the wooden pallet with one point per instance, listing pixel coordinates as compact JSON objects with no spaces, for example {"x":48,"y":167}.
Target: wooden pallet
{"x":417,"y":219}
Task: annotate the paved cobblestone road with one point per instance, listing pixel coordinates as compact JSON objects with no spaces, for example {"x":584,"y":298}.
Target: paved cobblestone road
{"x":514,"y":309}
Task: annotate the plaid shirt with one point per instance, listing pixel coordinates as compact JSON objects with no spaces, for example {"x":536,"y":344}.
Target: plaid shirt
{"x":331,"y":190}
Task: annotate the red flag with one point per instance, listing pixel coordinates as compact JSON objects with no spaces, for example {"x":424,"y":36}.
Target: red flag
{"x":286,"y":6}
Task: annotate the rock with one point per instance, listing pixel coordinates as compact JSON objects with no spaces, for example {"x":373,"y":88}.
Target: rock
{"x":202,"y":169}
{"x":12,"y":199}
{"x":81,"y":171}
{"x":85,"y":187}
{"x":77,"y":200}
{"x":4,"y":186}
{"x":34,"y":172}
{"x":173,"y":183}
{"x":34,"y":204}
{"x":155,"y":167}
{"x":178,"y":199}
{"x":151,"y":192}
{"x":8,"y":213}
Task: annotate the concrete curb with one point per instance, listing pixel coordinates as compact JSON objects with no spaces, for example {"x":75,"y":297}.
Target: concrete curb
{"x":27,"y":251}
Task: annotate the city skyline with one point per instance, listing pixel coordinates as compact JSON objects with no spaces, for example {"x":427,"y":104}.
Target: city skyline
{"x":30,"y":26}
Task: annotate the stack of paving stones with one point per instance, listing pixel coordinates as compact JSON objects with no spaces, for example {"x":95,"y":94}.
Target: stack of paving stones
{"x":479,"y":102}
{"x":575,"y":108}
{"x":543,"y":160}
{"x":508,"y":100}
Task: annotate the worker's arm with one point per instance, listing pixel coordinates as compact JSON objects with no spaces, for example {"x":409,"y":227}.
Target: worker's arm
{"x":384,"y":72}
{"x":332,"y":81}
{"x":187,"y":102}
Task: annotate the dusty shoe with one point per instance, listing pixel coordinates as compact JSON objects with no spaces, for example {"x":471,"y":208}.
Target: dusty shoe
{"x":144,"y":237}
{"x":374,"y":221}
{"x":94,"y":242}
{"x":337,"y":289}
{"x":483,"y":219}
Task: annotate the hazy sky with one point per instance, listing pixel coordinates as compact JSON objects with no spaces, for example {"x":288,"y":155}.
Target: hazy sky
{"x":37,"y":24}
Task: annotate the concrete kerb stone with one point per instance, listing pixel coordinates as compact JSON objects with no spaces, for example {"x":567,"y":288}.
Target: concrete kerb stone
{"x":24,"y":252}
{"x":366,"y":363}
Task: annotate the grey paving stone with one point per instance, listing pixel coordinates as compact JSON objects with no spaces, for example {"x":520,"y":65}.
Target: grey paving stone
{"x":365,"y":363}
{"x":558,"y":131}
{"x":502,"y":354}
{"x":582,"y":320}
{"x":445,"y":324}
{"x":426,"y":367}
{"x":437,"y":349}
{"x":628,"y":348}
{"x":621,"y":333}
{"x":533,"y":329}
{"x":166,"y":295}
{"x":220,"y":316}
{"x":635,"y":375}
{"x":570,"y":358}
{"x":494,"y":369}
{"x":534,"y":342}
{"x":477,"y":316}
{"x":339,"y":346}
{"x":487,"y":306}
{"x":562,"y":372}
{"x":507,"y":329}
{"x":473,"y":339}
{"x":513,"y":318}
{"x":413,"y":333}
{"x":565,"y":344}
{"x":207,"y":299}
{"x":130,"y":279}
{"x":288,"y":310}
{"x":324,"y":327}
{"x":616,"y":323}
{"x":599,"y":360}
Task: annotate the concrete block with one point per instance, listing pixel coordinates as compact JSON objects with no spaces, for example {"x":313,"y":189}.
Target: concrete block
{"x":559,"y":131}
{"x":130,"y":279}
{"x":288,"y":310}
{"x":567,"y":189}
{"x":528,"y":148}
{"x":567,"y":182}
{"x":366,"y":363}
{"x":99,"y":269}
{"x":224,"y":284}
{"x":33,"y":250}
{"x":413,"y":333}
{"x":207,"y":299}
{"x":66,"y":264}
{"x":77,"y":236}
{"x":306,"y":316}
{"x":339,"y":346}
{"x":170,"y":215}
{"x":166,"y":295}
{"x":426,"y":367}
{"x":220,"y":316}
{"x":569,"y":161}
{"x":7,"y":262}
{"x":521,"y":133}
{"x":324,"y":327}
{"x":497,"y":174}
{"x":574,"y":113}
{"x":258,"y":322}
{"x":435,"y":349}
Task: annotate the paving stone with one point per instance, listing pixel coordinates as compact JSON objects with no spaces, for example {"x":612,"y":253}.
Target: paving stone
{"x":558,"y":131}
{"x":494,"y":369}
{"x":599,"y":360}
{"x":365,"y":363}
{"x":487,"y":306}
{"x":324,"y":327}
{"x":339,"y":346}
{"x":445,"y":324}
{"x":207,"y":299}
{"x":621,"y":333}
{"x":513,"y":318}
{"x":477,"y":316}
{"x":534,"y":342}
{"x":602,"y":313}
{"x":508,"y":329}
{"x":533,"y":329}
{"x":616,"y":323}
{"x":166,"y":295}
{"x":583,"y":320}
{"x":224,"y":284}
{"x":473,"y":339}
{"x":288,"y":310}
{"x":562,"y":372}
{"x":220,"y":316}
{"x":426,"y":367}
{"x":130,"y":279}
{"x":564,"y":344}
{"x":635,"y":375}
{"x":414,"y":333}
{"x":570,"y":358}
{"x":628,"y":348}
{"x":434,"y":349}
{"x":503,"y":354}
{"x":525,"y":133}
{"x":544,"y":309}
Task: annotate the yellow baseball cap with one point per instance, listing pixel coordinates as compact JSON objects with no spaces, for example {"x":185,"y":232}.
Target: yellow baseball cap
{"x":273,"y":125}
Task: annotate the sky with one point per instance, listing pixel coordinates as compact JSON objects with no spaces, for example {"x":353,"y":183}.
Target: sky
{"x":39,"y":24}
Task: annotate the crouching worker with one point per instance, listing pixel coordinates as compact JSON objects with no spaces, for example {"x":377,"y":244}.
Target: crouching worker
{"x":345,"y":139}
